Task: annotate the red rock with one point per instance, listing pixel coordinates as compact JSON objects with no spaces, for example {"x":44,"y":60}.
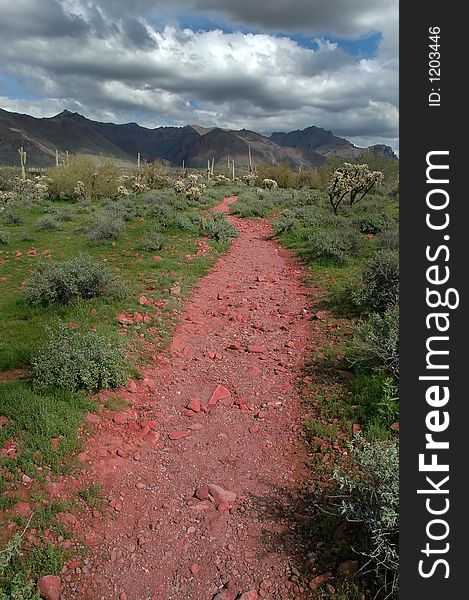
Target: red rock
{"x":316,"y":582}
{"x":26,"y":479}
{"x":221,"y":495}
{"x":18,"y":253}
{"x":194,"y":405}
{"x":124,"y":319}
{"x":143,"y":300}
{"x":260,"y":278}
{"x":224,"y":507}
{"x":138,"y":317}
{"x":23,"y":509}
{"x":241,"y":401}
{"x":176,"y":435}
{"x":255,"y":349}
{"x":32,"y":252}
{"x":83,"y":456}
{"x":93,"y":419}
{"x":195,"y":426}
{"x":153,"y":437}
{"x":68,"y":518}
{"x":194,"y":569}
{"x":149,"y":424}
{"x":348,"y":568}
{"x":120,"y":418}
{"x":356,"y":427}
{"x":72,"y":326}
{"x":395,"y":426}
{"x":254,"y":371}
{"x":50,"y":587}
{"x":132,"y":386}
{"x":149,"y":383}
{"x":202,"y":493}
{"x":176,"y":290}
{"x":234,"y":346}
{"x":319,"y":315}
{"x":254,"y":429}
{"x":4,"y":421}
{"x":219,"y":393}
{"x":156,"y":258}
{"x":251,"y":595}
{"x":55,"y":442}
{"x":122,"y":453}
{"x":54,"y":488}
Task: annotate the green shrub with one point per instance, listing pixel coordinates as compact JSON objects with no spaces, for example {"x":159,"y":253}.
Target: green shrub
{"x":380,"y":281}
{"x":5,"y":237}
{"x":11,"y":215}
{"x":49,"y":223}
{"x":373,"y":222}
{"x":62,"y":282}
{"x":97,"y":180}
{"x":75,"y":360}
{"x":285,"y":222}
{"x":335,"y":246}
{"x":375,"y":343}
{"x":377,"y":399}
{"x":389,"y":239}
{"x":152,"y":242}
{"x":165,"y":215}
{"x":219,"y":228}
{"x":107,"y":226}
{"x":371,"y":498}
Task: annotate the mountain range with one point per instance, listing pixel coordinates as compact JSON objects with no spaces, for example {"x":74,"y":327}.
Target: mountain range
{"x":72,"y":132}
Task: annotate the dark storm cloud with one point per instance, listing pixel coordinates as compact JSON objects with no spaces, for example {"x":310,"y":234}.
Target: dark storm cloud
{"x":112,"y":60}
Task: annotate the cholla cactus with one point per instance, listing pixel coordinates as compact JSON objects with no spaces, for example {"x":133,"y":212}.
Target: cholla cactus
{"x":222,"y":180}
{"x":30,"y":190}
{"x":179,"y":186}
{"x":354,"y":180}
{"x":139,"y":188}
{"x":193,"y":178}
{"x":250,"y":179}
{"x":194,"y":192}
{"x":6,"y":198}
{"x":79,"y":190}
{"x":122,"y":192}
{"x":269,"y":184}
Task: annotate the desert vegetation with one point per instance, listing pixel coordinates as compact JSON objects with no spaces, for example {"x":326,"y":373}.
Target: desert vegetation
{"x":95,"y":261}
{"x":345,"y":229}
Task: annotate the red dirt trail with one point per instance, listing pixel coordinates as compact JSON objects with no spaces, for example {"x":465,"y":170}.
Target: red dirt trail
{"x":167,"y":533}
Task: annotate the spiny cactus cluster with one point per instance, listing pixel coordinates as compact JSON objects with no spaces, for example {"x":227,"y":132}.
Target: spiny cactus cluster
{"x":191,"y":188}
{"x":269,"y":184}
{"x":250,"y":179}
{"x":352,"y":180}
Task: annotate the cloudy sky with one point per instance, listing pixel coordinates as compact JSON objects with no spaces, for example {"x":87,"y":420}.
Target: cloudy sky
{"x":270,"y":66}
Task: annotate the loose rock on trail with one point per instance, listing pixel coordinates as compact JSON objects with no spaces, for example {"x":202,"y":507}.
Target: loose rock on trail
{"x":203,"y":473}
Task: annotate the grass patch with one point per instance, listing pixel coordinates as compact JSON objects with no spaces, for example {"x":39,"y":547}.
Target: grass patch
{"x":35,"y":419}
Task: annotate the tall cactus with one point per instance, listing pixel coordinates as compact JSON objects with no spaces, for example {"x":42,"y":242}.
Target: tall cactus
{"x":22,"y":154}
{"x":138,"y":160}
{"x":250,"y":160}
{"x":211,"y":171}
{"x":233,"y":165}
{"x":56,"y":157}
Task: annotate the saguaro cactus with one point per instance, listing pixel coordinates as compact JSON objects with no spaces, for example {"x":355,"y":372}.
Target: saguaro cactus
{"x":250,"y":161}
{"x":233,"y":165}
{"x":22,"y":154}
{"x":138,"y":160}
{"x":56,"y":157}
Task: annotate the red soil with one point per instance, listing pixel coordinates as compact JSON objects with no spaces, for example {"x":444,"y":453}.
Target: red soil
{"x":168,"y":532}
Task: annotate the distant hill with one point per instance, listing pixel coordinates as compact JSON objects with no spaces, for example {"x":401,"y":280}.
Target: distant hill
{"x":194,"y":144}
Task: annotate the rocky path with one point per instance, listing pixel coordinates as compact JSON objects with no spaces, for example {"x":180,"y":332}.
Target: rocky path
{"x":203,"y":473}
